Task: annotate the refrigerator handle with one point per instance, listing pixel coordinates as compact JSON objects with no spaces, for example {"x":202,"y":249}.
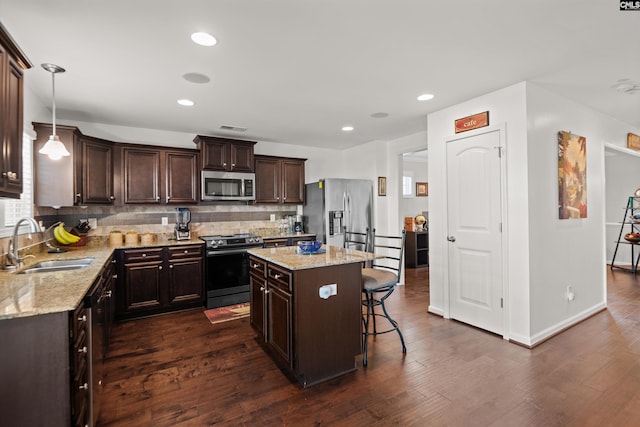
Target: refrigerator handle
{"x":347,"y":219}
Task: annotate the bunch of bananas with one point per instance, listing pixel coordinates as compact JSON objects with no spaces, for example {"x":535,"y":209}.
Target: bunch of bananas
{"x":63,"y":236}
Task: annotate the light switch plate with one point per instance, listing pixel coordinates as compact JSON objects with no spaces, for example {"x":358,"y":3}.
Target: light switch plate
{"x":165,"y":220}
{"x":93,"y":223}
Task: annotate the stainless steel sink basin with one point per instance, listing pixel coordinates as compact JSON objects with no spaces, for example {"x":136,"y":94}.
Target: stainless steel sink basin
{"x":57,"y":265}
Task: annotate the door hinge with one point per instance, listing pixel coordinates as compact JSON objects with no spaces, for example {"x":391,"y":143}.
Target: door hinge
{"x":501,"y":303}
{"x":499,"y":148}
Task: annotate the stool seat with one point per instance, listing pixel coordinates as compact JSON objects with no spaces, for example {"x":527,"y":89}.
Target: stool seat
{"x":373,"y":278}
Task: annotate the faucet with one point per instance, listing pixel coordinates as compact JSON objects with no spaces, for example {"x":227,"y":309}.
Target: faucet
{"x":13,"y":260}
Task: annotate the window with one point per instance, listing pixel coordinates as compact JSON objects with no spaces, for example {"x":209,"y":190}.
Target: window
{"x":11,"y":210}
{"x":407,"y":186}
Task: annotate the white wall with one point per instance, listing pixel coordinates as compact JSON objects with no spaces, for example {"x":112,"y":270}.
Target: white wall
{"x":544,"y":254}
{"x":506,"y":106}
{"x":413,"y":205}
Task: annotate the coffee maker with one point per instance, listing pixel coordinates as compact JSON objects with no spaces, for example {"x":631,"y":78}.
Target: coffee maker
{"x":183,"y":218}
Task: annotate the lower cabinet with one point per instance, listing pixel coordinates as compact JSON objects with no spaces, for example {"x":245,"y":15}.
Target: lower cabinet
{"x":159,"y":279}
{"x":274,"y":242}
{"x":310,"y":338}
{"x":53,"y":362}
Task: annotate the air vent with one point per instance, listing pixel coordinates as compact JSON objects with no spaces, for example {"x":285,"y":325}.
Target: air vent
{"x":233,"y":128}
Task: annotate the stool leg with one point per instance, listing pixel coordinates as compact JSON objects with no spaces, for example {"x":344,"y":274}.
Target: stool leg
{"x":393,"y":322}
{"x":365,"y":333}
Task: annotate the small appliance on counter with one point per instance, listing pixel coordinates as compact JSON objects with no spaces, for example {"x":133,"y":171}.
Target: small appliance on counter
{"x":183,"y":218}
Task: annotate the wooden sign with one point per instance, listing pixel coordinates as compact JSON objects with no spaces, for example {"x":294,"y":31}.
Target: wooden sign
{"x":633,"y":141}
{"x":472,"y":122}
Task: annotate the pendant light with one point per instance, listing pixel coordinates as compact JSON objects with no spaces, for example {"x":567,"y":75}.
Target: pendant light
{"x":54,"y":148}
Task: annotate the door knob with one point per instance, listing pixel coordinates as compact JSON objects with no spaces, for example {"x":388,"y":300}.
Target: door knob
{"x":451,"y":238}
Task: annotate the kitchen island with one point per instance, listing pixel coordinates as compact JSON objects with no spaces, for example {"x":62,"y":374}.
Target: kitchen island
{"x":306,"y":309}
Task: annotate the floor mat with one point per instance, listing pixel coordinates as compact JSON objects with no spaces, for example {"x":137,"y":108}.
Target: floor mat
{"x":231,"y":312}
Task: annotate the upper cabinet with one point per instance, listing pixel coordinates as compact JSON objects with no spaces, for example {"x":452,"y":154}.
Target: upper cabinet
{"x":279,"y":180}
{"x":223,"y":154}
{"x":85,"y":177}
{"x":159,"y":176}
{"x":12,"y":64}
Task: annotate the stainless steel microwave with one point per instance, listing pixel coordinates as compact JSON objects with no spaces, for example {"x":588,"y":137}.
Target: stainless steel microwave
{"x":228,"y":186}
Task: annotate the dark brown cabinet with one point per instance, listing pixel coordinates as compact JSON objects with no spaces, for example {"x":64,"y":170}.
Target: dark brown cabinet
{"x":311,"y":338}
{"x":157,"y":280}
{"x":272,"y":292}
{"x":85,"y":177}
{"x":155,"y":176}
{"x":274,"y":242}
{"x":12,"y":64}
{"x":416,"y":249}
{"x":94,"y":174}
{"x":279,"y":180}
{"x":223,"y":154}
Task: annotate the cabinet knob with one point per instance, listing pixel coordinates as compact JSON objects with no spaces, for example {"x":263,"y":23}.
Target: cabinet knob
{"x":144,"y":255}
{"x":170,"y":265}
{"x":115,"y":276}
{"x":224,"y":164}
{"x":451,"y":238}
{"x":233,"y":165}
{"x":277,"y":276}
{"x":12,"y":176}
{"x":255,"y":266}
{"x":83,"y":349}
{"x":159,"y":267}
{"x":168,"y":198}
{"x":109,"y":294}
{"x":261,"y":288}
{"x":112,"y":198}
{"x":113,"y":261}
{"x":157,"y":198}
{"x":84,"y":387}
{"x":83,"y":318}
{"x":186,"y":251}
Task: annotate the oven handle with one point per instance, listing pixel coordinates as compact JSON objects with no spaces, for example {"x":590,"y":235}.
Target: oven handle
{"x":227,"y":252}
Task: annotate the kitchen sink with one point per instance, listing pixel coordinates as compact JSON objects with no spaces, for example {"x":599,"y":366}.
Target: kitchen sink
{"x":57,"y":265}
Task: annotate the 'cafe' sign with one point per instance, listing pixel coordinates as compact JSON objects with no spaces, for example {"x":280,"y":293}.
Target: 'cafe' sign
{"x":472,"y":122}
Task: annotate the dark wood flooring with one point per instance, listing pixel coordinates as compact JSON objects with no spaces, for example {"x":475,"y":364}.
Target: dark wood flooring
{"x":180,"y":370}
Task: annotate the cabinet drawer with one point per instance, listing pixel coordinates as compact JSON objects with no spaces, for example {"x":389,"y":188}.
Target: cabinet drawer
{"x":136,"y":255}
{"x":257,"y":266}
{"x":78,"y":321}
{"x":275,"y":243}
{"x":191,"y":251}
{"x":279,"y":278}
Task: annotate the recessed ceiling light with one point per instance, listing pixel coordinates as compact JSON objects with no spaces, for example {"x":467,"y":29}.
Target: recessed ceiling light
{"x":347,"y":128}
{"x":380,"y":115}
{"x":196,"y":78}
{"x":204,"y":39}
{"x":186,"y":102}
{"x":425,"y":97}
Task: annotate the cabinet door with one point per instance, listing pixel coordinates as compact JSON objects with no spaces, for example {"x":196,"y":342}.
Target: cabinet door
{"x":97,"y":172}
{"x":215,"y":155}
{"x":279,"y":327}
{"x":267,"y":180}
{"x":11,"y":99}
{"x":141,"y":175}
{"x":241,"y":157}
{"x":143,"y":286}
{"x":181,"y":170}
{"x":293,"y":181}
{"x":185,"y":281}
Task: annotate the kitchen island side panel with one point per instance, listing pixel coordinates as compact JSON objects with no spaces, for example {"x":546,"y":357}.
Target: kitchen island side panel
{"x":327,"y":332}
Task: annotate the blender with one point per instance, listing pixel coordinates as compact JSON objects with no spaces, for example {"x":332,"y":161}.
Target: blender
{"x":183,"y":217}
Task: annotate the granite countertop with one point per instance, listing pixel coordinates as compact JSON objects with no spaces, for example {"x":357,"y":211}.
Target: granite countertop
{"x":23,"y":295}
{"x":289,"y":257}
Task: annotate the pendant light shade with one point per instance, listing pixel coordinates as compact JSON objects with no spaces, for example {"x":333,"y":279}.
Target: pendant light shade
{"x":54,"y":148}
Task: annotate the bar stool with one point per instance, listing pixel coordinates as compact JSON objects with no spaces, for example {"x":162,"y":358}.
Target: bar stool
{"x":378,"y":283}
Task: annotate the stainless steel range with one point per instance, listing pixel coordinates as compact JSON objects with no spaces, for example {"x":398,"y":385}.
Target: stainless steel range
{"x":227,"y":268}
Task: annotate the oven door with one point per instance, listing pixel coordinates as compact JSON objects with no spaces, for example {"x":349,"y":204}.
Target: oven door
{"x":227,"y":278}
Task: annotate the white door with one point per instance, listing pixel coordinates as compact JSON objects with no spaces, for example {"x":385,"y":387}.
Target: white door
{"x":474,"y":230}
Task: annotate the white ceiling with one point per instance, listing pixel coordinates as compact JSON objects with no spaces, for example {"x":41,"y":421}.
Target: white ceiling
{"x":296,"y":71}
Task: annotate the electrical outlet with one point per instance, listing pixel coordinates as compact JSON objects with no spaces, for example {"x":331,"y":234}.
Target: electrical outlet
{"x":93,"y":222}
{"x":272,"y":217}
{"x":570,"y":295}
{"x":165,"y":220}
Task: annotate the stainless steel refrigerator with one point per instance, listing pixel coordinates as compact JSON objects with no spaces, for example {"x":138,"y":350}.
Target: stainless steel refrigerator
{"x":333,"y":204}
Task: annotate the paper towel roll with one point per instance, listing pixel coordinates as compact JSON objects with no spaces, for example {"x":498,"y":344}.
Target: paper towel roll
{"x":324,"y":292}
